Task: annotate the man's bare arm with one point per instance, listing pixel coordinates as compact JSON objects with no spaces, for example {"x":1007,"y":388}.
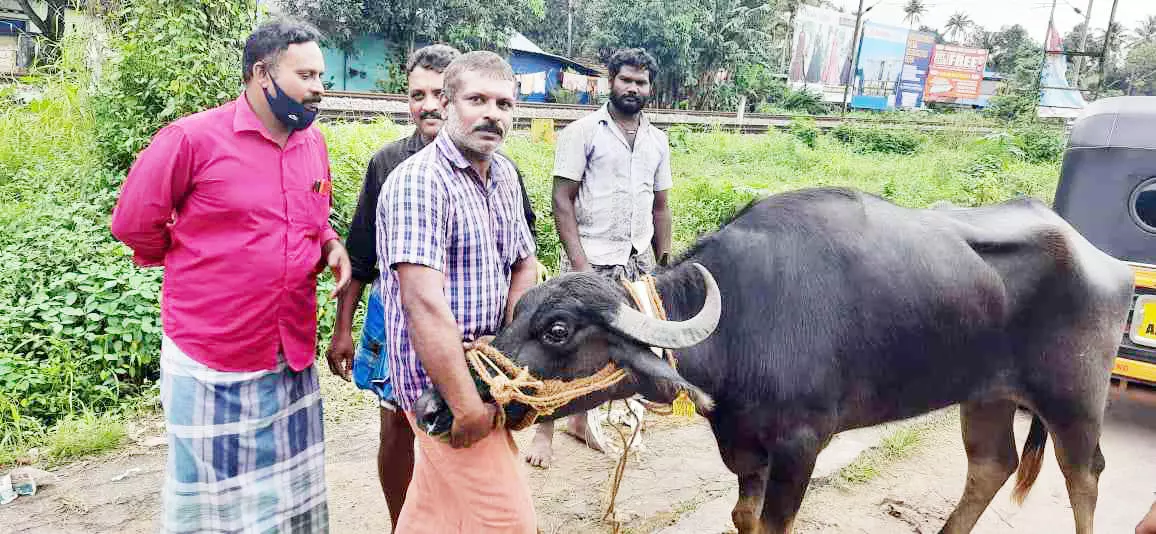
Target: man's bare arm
{"x":340,"y":353}
{"x":662,"y":225}
{"x":566,"y":222}
{"x":437,"y":341}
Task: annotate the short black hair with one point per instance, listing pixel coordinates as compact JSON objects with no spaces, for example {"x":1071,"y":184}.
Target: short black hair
{"x":635,"y":57}
{"x":270,"y":39}
{"x":433,"y":57}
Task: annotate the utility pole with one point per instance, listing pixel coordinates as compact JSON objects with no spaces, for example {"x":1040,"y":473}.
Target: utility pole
{"x":569,"y":28}
{"x":1044,"y":60}
{"x":1107,"y":47}
{"x":854,"y":55}
{"x":1083,"y":45}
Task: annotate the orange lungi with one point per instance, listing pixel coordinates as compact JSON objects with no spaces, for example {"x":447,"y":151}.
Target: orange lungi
{"x":477,"y":490}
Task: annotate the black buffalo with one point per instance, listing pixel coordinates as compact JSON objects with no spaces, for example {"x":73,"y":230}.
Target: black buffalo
{"x":836,"y":310}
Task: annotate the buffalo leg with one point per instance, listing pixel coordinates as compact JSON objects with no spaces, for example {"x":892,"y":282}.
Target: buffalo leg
{"x":745,"y":456}
{"x":792,"y":461}
{"x":989,"y":440}
{"x":1078,"y":452}
{"x":750,"y":505}
{"x":1075,"y":415}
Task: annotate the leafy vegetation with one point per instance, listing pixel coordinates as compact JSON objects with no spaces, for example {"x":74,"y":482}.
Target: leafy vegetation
{"x":878,"y":139}
{"x":165,"y":68}
{"x":467,"y":25}
{"x":79,"y":325}
{"x":804,"y":129}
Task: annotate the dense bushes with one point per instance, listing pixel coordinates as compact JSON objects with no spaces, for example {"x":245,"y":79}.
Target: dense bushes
{"x":878,"y":139}
{"x":76,"y":321}
{"x":79,"y":323}
{"x":1039,"y":144}
{"x":172,"y":58}
{"x":802,"y":100}
{"x":804,"y":129}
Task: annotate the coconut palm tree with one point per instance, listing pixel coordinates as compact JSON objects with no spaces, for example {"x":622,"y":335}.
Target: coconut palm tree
{"x":1146,"y":31}
{"x":956,"y":24}
{"x":915,"y":10}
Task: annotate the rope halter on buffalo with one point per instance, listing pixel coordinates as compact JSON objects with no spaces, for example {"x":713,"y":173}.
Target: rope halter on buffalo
{"x":509,"y":383}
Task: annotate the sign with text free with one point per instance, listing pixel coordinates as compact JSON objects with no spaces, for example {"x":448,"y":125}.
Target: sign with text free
{"x":954,"y":73}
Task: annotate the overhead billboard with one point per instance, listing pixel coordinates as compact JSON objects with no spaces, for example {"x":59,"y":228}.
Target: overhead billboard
{"x":916,"y":61}
{"x":954,"y":73}
{"x":880,"y":63}
{"x":821,"y":48}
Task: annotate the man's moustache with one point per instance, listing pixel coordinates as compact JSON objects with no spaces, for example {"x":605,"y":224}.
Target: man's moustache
{"x":491,"y":128}
{"x":430,"y":115}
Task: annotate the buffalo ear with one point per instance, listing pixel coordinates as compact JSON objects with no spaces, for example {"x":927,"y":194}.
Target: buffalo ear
{"x":657,"y":380}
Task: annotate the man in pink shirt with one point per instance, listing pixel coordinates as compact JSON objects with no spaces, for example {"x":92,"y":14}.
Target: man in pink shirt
{"x":233,"y":202}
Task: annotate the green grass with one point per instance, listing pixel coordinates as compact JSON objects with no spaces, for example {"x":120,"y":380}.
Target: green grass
{"x":77,"y":436}
{"x":716,"y":173}
{"x":74,"y":436}
{"x":896,"y":446}
{"x":900,"y":444}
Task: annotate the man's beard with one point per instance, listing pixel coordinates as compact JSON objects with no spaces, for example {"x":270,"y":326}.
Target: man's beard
{"x":461,"y":135}
{"x":628,"y":104}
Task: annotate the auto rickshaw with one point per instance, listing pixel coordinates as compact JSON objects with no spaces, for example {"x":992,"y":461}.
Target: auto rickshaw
{"x":1107,"y":190}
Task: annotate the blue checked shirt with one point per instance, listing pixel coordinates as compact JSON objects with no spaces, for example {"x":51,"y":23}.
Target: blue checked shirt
{"x":435,"y":211}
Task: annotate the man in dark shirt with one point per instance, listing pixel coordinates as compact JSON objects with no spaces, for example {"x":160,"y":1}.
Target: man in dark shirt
{"x":367,"y":365}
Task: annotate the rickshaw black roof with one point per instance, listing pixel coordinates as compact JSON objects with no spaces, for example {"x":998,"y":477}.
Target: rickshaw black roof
{"x":1123,"y":122}
{"x":1107,"y":186}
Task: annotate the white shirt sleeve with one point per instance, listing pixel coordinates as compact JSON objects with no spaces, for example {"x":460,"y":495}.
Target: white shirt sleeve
{"x":570,"y":153}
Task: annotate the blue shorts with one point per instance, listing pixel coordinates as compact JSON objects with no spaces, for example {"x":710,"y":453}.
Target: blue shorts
{"x":370,"y":366}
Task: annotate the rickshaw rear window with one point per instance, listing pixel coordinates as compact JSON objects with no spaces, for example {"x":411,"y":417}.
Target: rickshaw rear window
{"x":1144,"y":205}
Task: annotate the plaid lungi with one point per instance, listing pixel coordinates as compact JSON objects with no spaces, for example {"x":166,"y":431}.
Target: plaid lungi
{"x":640,"y":263}
{"x":246,"y":450}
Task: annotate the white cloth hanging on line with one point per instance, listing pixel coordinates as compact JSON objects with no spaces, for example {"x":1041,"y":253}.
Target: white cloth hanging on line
{"x":531,"y":82}
{"x":573,"y":81}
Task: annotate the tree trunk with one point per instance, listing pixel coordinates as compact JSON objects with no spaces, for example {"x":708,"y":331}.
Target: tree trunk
{"x":33,"y":16}
{"x":56,"y":17}
{"x":51,"y":27}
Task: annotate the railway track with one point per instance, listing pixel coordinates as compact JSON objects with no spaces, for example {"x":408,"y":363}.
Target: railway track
{"x":357,"y":106}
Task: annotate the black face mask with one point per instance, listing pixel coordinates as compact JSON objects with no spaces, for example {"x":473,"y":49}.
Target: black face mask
{"x":291,"y":113}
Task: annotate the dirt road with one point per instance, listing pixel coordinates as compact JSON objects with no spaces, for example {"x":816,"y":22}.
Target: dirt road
{"x":919,"y":494}
{"x":677,"y":485}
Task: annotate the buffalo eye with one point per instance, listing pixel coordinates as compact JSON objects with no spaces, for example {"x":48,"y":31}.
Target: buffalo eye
{"x":556,"y":334}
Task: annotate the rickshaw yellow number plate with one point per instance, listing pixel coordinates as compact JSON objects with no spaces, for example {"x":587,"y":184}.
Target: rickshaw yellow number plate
{"x":1144,"y":321}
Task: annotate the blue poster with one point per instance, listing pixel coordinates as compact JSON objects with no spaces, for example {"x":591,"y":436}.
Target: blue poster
{"x":881,"y":52}
{"x":914,"y":75}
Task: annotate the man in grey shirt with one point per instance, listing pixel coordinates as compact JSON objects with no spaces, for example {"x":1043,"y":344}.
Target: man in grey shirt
{"x":611,"y":177}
